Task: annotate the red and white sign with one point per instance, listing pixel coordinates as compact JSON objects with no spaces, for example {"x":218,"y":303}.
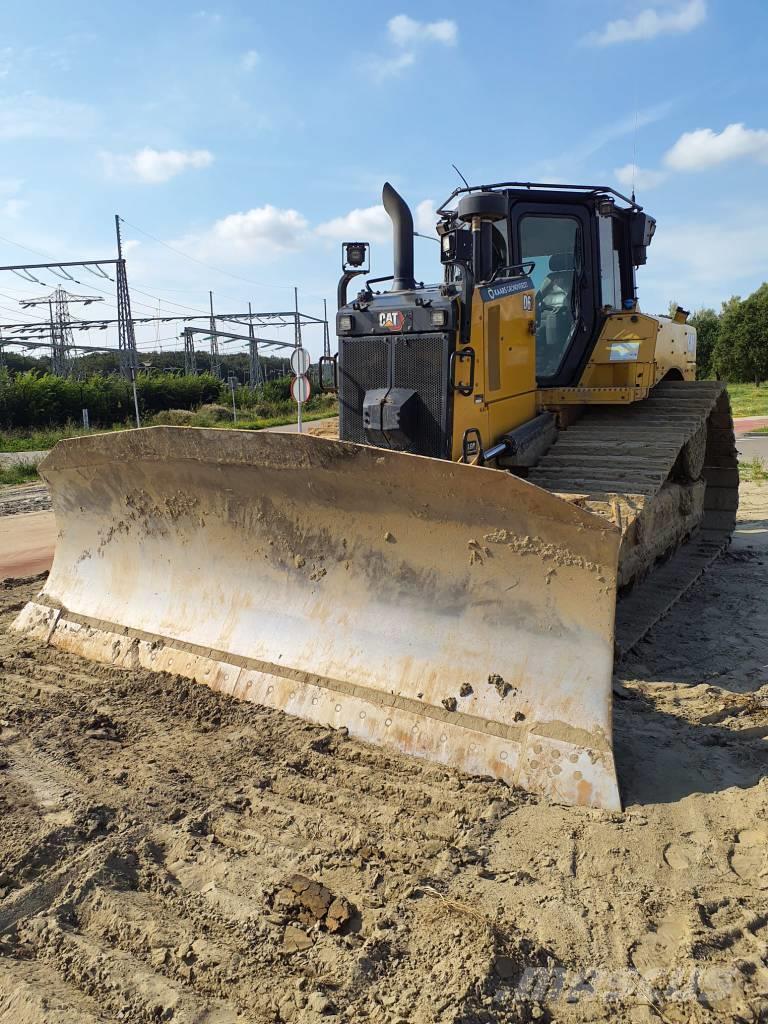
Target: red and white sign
{"x":300,"y":389}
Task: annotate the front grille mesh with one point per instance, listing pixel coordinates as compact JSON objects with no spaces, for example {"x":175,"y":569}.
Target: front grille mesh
{"x":363,"y":366}
{"x":421,"y":363}
{"x":414,"y":361}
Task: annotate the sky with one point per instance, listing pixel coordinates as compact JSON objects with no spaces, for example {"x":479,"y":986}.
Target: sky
{"x":242,"y":142}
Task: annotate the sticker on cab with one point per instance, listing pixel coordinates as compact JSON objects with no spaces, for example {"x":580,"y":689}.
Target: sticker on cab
{"x":624,"y":351}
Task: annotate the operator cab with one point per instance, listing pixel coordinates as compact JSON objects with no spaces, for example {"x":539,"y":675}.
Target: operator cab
{"x":579,"y":245}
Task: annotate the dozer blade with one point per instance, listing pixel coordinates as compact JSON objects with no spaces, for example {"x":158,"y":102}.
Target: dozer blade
{"x":452,"y":612}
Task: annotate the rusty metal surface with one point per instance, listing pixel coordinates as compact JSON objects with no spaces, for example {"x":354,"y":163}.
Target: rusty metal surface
{"x":452,"y":612}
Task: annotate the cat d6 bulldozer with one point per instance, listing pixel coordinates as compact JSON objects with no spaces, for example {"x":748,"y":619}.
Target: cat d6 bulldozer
{"x":527,"y":476}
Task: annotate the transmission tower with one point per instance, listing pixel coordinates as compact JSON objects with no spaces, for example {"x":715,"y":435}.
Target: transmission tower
{"x":62,"y":342}
{"x":254,"y":363}
{"x":215,"y":360}
{"x":129,"y":359}
{"x":190,"y":361}
{"x":326,"y":337}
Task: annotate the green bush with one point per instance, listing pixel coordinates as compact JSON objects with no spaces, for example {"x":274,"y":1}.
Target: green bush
{"x":173,"y":418}
{"x":19,"y":473}
{"x":209,"y":414}
{"x":32,"y":399}
{"x":277,"y":390}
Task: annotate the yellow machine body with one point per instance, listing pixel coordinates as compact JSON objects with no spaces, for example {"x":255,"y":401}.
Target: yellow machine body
{"x":634,"y":351}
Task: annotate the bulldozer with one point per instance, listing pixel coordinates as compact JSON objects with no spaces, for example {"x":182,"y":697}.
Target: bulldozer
{"x":527,"y":477}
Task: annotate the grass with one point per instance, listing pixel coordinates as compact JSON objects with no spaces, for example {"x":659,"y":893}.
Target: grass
{"x":36,"y":440}
{"x":259,"y":423}
{"x":753,"y":470}
{"x":748,"y":399}
{"x":21,"y":473}
{"x":42,"y":440}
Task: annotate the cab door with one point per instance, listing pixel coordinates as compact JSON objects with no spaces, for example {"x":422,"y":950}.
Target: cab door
{"x":558,"y":239}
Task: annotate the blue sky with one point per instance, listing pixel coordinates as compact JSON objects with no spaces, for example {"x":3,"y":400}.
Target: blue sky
{"x":254,"y":137}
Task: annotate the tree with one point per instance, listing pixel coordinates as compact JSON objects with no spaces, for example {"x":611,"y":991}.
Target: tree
{"x":741,"y":348}
{"x":707,"y":324}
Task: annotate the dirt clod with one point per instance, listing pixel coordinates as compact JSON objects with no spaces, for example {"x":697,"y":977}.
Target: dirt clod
{"x":311,"y":903}
{"x":502,"y":687}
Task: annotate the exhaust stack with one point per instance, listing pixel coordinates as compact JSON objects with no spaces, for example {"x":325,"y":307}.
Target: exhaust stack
{"x":402,"y":238}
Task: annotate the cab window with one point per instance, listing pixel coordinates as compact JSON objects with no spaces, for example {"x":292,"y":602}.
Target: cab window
{"x":554,"y":244}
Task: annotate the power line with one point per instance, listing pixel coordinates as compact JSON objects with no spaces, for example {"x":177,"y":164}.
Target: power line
{"x":202,"y":263}
{"x":155,"y":298}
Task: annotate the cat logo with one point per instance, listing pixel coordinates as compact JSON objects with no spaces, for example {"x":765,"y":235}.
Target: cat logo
{"x":393,"y":321}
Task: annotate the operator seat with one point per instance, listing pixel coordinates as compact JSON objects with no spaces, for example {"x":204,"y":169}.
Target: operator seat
{"x":554,"y":312}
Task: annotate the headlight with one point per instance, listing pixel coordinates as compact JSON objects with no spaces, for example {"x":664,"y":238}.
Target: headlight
{"x":345,"y":323}
{"x":439,"y":317}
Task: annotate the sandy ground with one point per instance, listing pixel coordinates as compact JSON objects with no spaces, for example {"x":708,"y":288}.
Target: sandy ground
{"x":27,"y":542}
{"x":171,"y":854}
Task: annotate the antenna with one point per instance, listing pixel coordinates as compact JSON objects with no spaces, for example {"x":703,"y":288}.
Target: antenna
{"x":460,"y":175}
{"x":634,"y":146}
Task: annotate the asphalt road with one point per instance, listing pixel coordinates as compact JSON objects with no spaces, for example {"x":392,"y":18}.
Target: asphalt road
{"x":291,"y":428}
{"x":751,"y":447}
{"x":8,"y":459}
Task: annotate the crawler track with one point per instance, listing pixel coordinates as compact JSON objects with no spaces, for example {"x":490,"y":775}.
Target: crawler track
{"x":624,"y":463}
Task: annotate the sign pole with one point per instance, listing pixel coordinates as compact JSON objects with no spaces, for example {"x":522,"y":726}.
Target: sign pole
{"x":300,"y":389}
{"x":232,"y":382}
{"x":297,"y":340}
{"x":135,"y":396}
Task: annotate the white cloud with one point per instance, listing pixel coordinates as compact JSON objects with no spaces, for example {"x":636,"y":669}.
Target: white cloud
{"x":372,"y":223}
{"x":406,"y":35}
{"x":425,"y":217}
{"x":405,"y":31}
{"x":709,"y":260}
{"x":605,"y":134}
{"x":255,"y":234}
{"x":30,"y":116}
{"x":695,"y":151}
{"x":367,"y":225}
{"x":154,"y":166}
{"x":390,"y":67}
{"x":631,"y":175}
{"x":250,"y":60}
{"x":649,"y":23}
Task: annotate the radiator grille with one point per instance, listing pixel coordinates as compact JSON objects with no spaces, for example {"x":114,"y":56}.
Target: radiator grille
{"x":363,"y":366}
{"x":415,"y":361}
{"x":422,"y":363}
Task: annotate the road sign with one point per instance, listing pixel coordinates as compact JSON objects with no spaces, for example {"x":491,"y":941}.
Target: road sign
{"x":300,"y":362}
{"x":300,"y":389}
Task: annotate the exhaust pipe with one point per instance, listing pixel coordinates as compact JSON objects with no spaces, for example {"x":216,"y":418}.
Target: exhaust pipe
{"x":402,"y":238}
